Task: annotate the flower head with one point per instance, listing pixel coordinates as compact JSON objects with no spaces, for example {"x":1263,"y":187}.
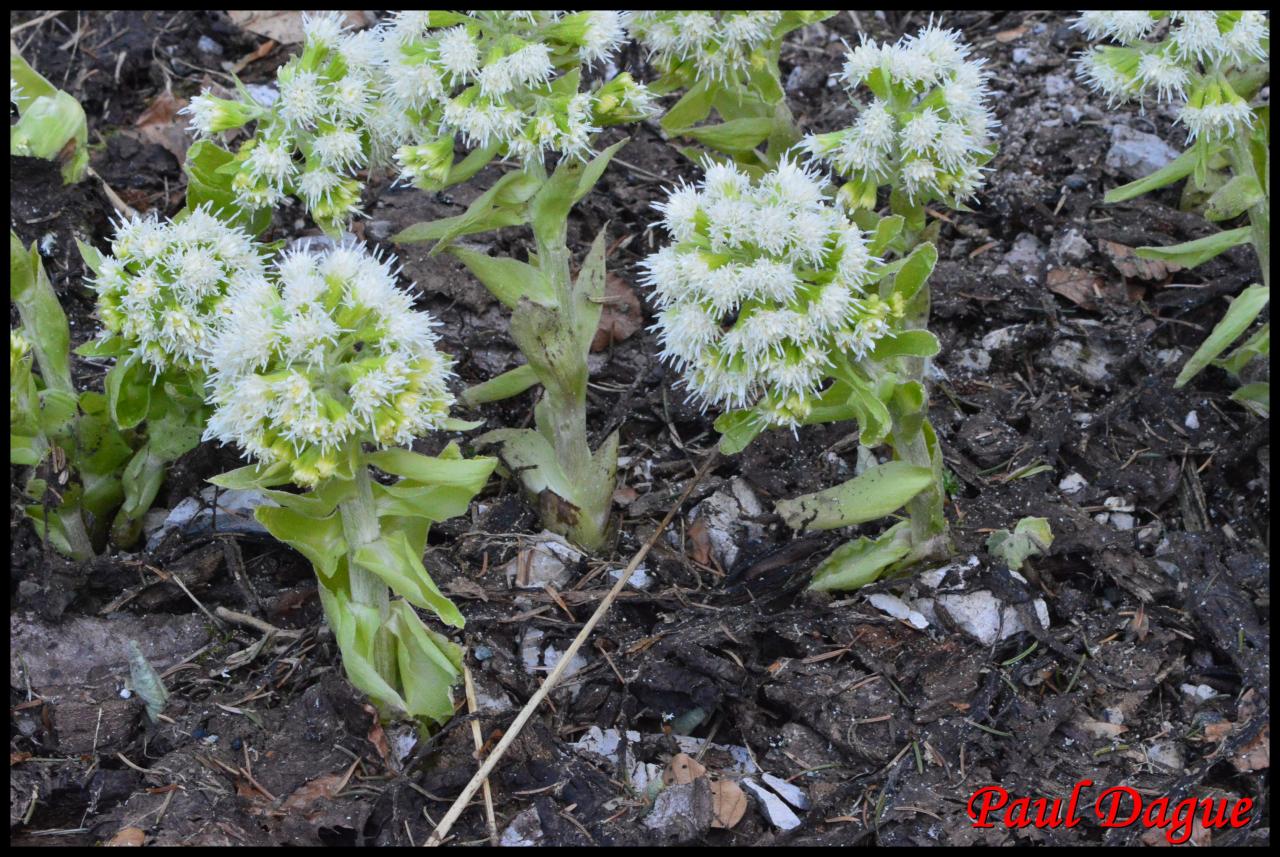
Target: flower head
{"x":325,"y":352}
{"x":1180,"y":57}
{"x":926,"y":129}
{"x":504,"y":81}
{"x":764,"y":281}
{"x":722,"y":45}
{"x":163,"y":288}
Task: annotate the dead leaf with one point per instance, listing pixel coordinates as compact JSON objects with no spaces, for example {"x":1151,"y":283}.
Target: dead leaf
{"x":285,"y":26}
{"x":131,"y":837}
{"x":625,"y":495}
{"x":1006,"y":36}
{"x":1215,"y":732}
{"x":160,"y":124}
{"x":262,"y":51}
{"x":377,"y":737}
{"x":1131,"y":265}
{"x":323,"y":788}
{"x":18,"y":758}
{"x":1256,"y":755}
{"x":622,"y":315}
{"x":728,"y":803}
{"x":1081,"y":287}
{"x":682,"y":769}
{"x":1102,"y":729}
{"x":700,"y":538}
{"x":461,"y":587}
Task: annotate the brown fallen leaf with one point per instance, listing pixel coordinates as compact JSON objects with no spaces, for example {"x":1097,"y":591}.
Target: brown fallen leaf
{"x":461,"y":587}
{"x":728,"y":803}
{"x":18,"y":758}
{"x":682,"y":769}
{"x":1102,"y":729}
{"x":377,"y":737}
{"x":700,"y":540}
{"x":285,"y":26}
{"x":1006,"y":36}
{"x":160,"y":124}
{"x":1215,"y":732}
{"x":323,"y":788}
{"x":130,"y":837}
{"x":622,"y":314}
{"x":1081,"y":287}
{"x":1131,"y":265}
{"x":262,"y":51}
{"x":625,"y":495}
{"x":1256,"y":755}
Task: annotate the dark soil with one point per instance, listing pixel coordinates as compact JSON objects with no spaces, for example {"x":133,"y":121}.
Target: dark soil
{"x":888,"y":729}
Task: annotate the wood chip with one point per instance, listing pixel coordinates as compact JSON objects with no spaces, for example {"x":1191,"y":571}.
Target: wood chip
{"x":1256,"y":755}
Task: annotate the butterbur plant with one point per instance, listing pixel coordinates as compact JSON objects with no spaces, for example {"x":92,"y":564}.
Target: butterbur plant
{"x":51,"y":123}
{"x":727,"y":62}
{"x":330,"y":121}
{"x":775,"y":304}
{"x":924,"y":130}
{"x":531,"y":107}
{"x":74,"y":453}
{"x":503,"y":84}
{"x":161,"y":294}
{"x":1211,"y":65}
{"x":322,"y":373}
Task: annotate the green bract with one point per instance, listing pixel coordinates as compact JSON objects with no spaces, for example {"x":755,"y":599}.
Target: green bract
{"x":51,"y":123}
{"x":727,"y":61}
{"x":1211,"y":63}
{"x":68,"y":440}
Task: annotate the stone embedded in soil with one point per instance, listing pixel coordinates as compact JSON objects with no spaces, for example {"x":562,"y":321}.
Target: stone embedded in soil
{"x":1071,"y":483}
{"x":545,"y":561}
{"x":898,"y":609}
{"x":196,"y":515}
{"x":525,"y":830}
{"x":682,"y":812}
{"x":789,"y":792}
{"x":978,"y":613}
{"x":1070,"y":246}
{"x":1137,"y":154}
{"x":774,"y":809}
{"x":725,"y":513}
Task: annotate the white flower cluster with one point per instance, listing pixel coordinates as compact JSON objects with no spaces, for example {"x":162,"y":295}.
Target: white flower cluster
{"x":718,"y":45}
{"x":325,"y":352}
{"x":503,"y":80}
{"x":764,"y":281}
{"x":1187,"y":63}
{"x":162,"y":290}
{"x":927,"y":129}
{"x":328,"y":123}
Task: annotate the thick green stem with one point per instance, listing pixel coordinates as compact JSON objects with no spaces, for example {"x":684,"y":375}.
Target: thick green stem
{"x":360,"y":527}
{"x":1243,"y":164}
{"x":562,"y":416}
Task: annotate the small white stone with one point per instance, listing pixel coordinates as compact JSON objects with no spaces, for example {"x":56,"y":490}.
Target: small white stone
{"x":1199,"y":692}
{"x":898,"y":609}
{"x":1122,"y":520}
{"x":777,"y":812}
{"x":1192,"y":421}
{"x":789,"y":792}
{"x":1071,"y":483}
{"x":1117,"y":504}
